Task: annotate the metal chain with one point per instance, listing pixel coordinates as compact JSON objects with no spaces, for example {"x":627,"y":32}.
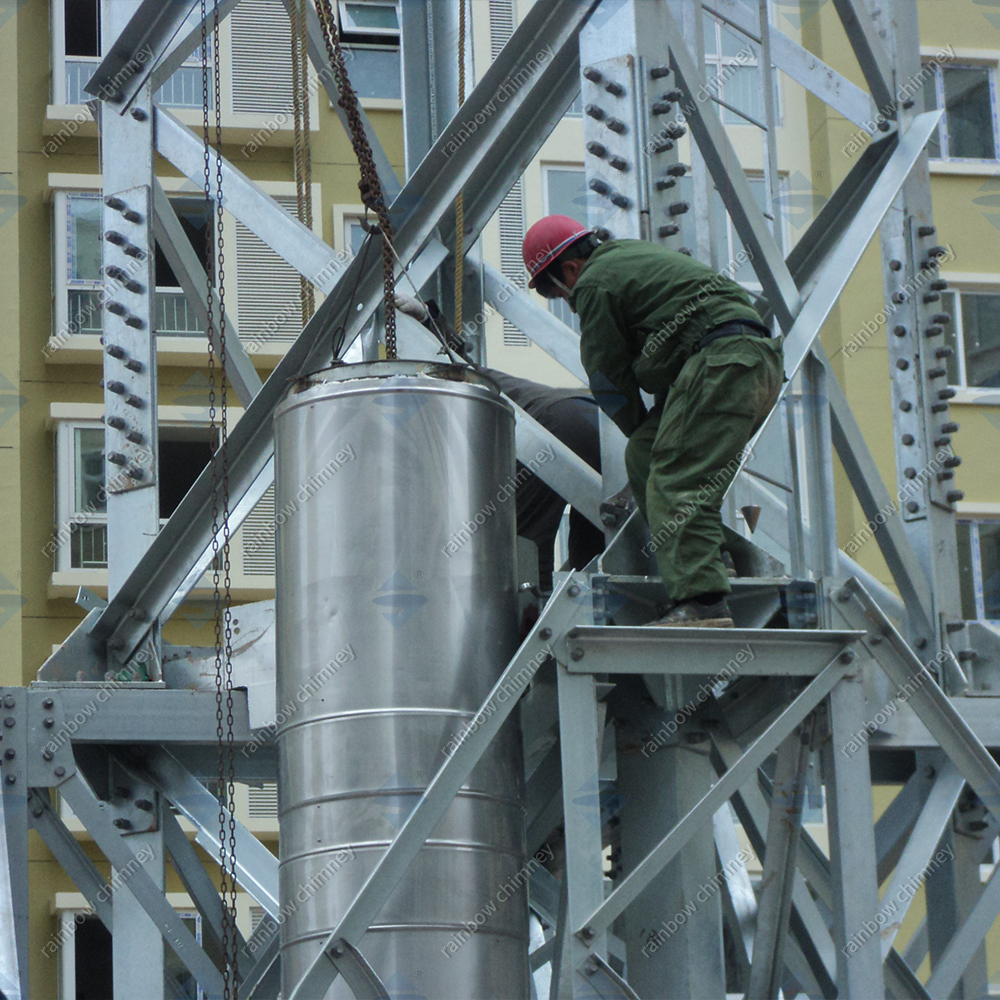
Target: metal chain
{"x":221,"y":579}
{"x":460,"y":200}
{"x":369,"y":185}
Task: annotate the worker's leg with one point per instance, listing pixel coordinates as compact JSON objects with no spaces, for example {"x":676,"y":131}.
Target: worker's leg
{"x":718,"y":402}
{"x":637,"y":455}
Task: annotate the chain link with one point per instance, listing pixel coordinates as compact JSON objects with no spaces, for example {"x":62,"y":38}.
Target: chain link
{"x":369,"y":185}
{"x":221,"y":575}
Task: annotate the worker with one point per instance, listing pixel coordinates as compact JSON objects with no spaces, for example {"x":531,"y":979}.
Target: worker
{"x":569,"y":414}
{"x":656,"y":320}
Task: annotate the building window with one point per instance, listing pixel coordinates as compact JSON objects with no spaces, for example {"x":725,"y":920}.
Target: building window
{"x":81,"y":537}
{"x":174,"y":315}
{"x":354,"y":234}
{"x":733,"y":74}
{"x":968,"y":128}
{"x":78,"y":268}
{"x":370,"y":32}
{"x":87,"y":957}
{"x":727,"y":240}
{"x":81,"y":264}
{"x":979,"y":569}
{"x":566,"y":193}
{"x":77,"y":41}
{"x":974,"y":337}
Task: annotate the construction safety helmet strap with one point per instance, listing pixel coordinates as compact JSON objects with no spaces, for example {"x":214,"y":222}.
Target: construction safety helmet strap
{"x":547,"y":239}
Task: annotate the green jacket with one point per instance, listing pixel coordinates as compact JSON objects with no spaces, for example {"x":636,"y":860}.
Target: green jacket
{"x":642,"y":309}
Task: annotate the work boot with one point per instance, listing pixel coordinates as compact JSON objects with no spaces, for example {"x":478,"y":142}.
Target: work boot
{"x":693,"y":614}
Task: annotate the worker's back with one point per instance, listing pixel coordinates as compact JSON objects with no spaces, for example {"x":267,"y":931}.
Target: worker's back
{"x":663,"y":302}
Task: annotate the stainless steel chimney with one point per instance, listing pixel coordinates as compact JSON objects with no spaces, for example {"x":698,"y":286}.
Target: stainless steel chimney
{"x":396,"y":612}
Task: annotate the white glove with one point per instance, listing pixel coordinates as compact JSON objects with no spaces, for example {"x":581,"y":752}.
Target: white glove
{"x":410,"y":306}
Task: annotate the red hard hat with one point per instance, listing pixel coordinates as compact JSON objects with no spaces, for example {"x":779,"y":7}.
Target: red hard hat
{"x":546,"y":239}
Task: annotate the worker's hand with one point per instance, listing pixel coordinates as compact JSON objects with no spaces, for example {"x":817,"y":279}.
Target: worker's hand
{"x":614,"y":510}
{"x":410,"y":306}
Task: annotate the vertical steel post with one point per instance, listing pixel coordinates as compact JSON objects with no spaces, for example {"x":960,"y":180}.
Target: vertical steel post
{"x":14,"y":894}
{"x":852,"y":847}
{"x":137,"y":944}
{"x":131,"y":467}
{"x":673,"y":931}
{"x":130,"y":353}
{"x":583,"y":877}
{"x":914,"y":326}
{"x":429,"y":41}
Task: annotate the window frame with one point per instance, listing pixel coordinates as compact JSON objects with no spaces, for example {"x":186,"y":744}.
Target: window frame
{"x":958,"y":289}
{"x":66,"y":988}
{"x":373,"y":40}
{"x":974,"y":520}
{"x":560,"y":307}
{"x":718,"y":60}
{"x":57,"y":31}
{"x":753,"y":288}
{"x":991,"y":66}
{"x":349,"y":28}
{"x":62,"y":251}
{"x":62,"y":267}
{"x":66,"y":472}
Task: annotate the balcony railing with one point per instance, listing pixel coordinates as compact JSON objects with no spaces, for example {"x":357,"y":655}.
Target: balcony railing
{"x":182,"y":90}
{"x":174,"y":315}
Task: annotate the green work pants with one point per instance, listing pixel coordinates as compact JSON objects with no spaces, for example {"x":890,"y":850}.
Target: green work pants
{"x":682,"y":458}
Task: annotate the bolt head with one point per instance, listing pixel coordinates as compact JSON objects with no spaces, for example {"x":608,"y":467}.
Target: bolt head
{"x":576,"y":654}
{"x":47,"y":755}
{"x":844,"y":595}
{"x":847,"y":656}
{"x":9,"y":721}
{"x":36,"y":812}
{"x":59,"y":771}
{"x":8,"y":701}
{"x":48,"y":703}
{"x":144,"y":804}
{"x":546,"y":634}
{"x":929,"y":771}
{"x":10,"y":753}
{"x":921,"y":643}
{"x":11,"y":779}
{"x":573,"y":590}
{"x":589,"y":933}
{"x":337,"y":951}
{"x":48,"y":722}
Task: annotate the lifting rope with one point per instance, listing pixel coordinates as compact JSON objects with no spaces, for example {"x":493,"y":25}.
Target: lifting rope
{"x":369,"y":185}
{"x":303,"y":154}
{"x":221,"y":580}
{"x":460,"y":200}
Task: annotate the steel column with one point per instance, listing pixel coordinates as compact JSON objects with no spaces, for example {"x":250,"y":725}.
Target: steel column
{"x":778,"y":879}
{"x":852,"y":847}
{"x":14,"y":893}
